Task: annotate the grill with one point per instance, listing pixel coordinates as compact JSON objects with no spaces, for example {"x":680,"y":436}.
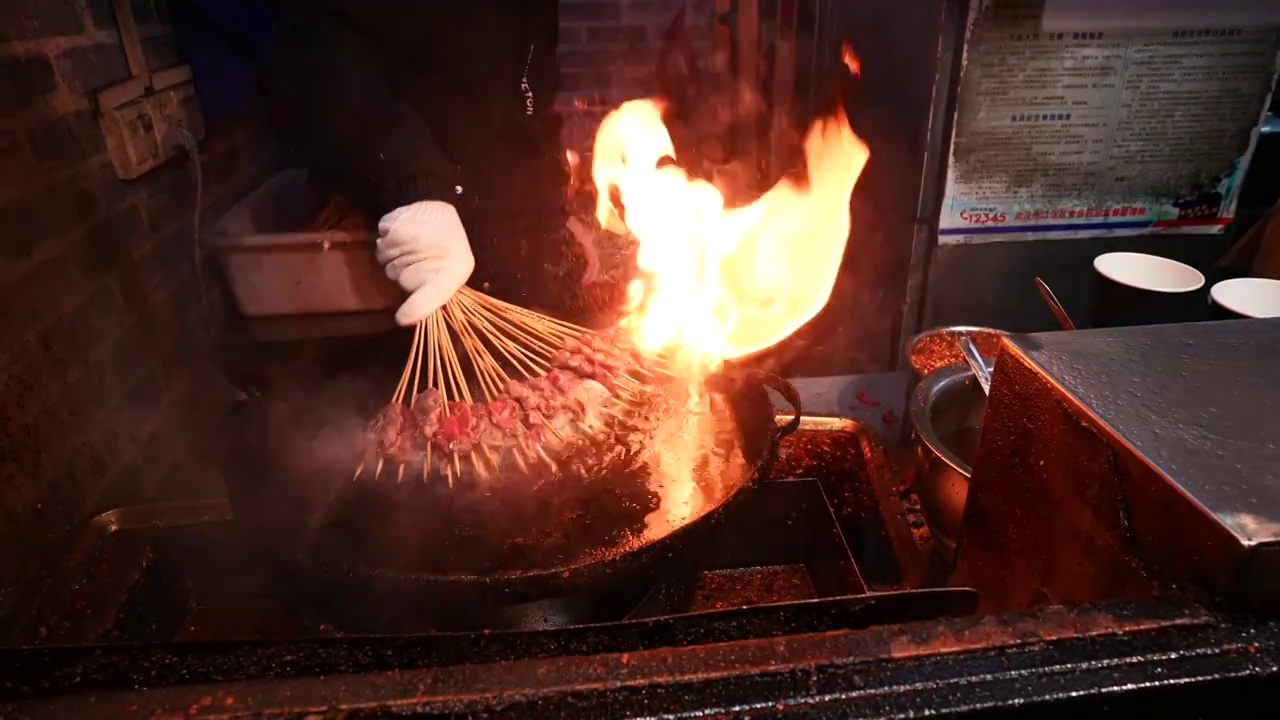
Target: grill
{"x":182,"y":572}
{"x":822,"y":594}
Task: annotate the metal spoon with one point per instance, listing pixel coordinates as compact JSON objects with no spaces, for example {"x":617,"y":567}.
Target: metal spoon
{"x":1056,"y":307}
{"x":976,"y":363}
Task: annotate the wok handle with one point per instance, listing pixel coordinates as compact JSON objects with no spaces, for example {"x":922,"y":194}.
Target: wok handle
{"x":788,"y":393}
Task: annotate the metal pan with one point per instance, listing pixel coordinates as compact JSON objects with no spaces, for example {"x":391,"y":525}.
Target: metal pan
{"x":370,"y":550}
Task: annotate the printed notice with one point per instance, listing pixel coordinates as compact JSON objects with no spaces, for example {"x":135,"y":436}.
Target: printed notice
{"x":1086,"y":133}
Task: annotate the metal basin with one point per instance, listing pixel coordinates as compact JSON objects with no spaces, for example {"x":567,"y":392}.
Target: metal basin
{"x":946,"y":417}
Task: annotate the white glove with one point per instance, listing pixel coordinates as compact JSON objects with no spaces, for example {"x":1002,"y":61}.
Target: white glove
{"x":425,"y":249}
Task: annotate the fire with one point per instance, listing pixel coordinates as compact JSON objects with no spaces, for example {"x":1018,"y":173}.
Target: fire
{"x":717,"y":283}
{"x":629,"y":138}
{"x":722,"y":283}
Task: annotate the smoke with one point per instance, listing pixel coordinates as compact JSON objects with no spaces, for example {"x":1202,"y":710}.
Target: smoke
{"x":300,"y":441}
{"x":716,"y":122}
{"x":319,"y":429}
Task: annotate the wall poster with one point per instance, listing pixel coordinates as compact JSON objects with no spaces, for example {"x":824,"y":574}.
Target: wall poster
{"x":1079,"y":131}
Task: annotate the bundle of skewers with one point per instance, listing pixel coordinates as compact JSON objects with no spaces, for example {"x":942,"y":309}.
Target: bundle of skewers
{"x":488,"y":383}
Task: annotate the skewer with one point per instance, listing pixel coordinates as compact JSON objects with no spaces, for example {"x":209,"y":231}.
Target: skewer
{"x":419,"y":338}
{"x":528,"y":338}
{"x":408,"y":364}
{"x":522,"y":359}
{"x":479,"y":466}
{"x":562,"y":326}
{"x":519,"y":456}
{"x":489,"y":456}
{"x":518,"y":356}
{"x":546,"y":423}
{"x":491,"y":376}
{"x":431,"y":355}
{"x":543,"y":454}
{"x":529,"y":332}
{"x":454,"y":372}
{"x":501,"y":342}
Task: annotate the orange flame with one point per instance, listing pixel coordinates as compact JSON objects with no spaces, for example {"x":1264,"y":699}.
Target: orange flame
{"x":717,"y":283}
{"x":850,"y":59}
{"x":722,"y":283}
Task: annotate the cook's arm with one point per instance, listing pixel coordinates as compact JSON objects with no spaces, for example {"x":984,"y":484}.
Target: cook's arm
{"x":347,"y":118}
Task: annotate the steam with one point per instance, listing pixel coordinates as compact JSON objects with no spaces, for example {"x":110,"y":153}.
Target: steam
{"x":319,"y":430}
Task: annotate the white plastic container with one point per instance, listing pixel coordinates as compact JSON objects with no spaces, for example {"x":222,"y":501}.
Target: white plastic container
{"x":274,"y":270}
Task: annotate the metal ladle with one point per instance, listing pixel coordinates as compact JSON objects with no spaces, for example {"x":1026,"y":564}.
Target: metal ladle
{"x":976,"y":363}
{"x":1055,"y":307}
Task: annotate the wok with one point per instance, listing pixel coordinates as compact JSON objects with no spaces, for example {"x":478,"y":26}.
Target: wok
{"x":381,"y":555}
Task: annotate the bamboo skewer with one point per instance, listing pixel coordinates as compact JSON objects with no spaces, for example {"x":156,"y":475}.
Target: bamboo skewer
{"x":473,"y":348}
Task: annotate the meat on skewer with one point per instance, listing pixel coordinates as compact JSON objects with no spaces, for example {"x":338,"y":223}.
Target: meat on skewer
{"x":526,"y":398}
{"x":393,"y":432}
{"x":583,"y":399}
{"x":604,"y":352}
{"x":456,"y":432}
{"x":489,"y":434}
{"x":504,"y":413}
{"x":427,"y":409}
{"x":595,"y":366}
{"x":534,"y":413}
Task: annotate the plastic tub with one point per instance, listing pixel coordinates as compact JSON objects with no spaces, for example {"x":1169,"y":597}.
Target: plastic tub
{"x":275,"y":270}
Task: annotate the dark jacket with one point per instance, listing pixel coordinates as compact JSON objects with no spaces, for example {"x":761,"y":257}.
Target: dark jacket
{"x":394,"y":101}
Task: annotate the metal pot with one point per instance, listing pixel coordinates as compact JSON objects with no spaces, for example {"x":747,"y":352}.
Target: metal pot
{"x":946,"y":416}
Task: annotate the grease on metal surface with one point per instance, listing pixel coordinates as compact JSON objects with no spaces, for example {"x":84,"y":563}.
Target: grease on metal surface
{"x":1051,"y":623}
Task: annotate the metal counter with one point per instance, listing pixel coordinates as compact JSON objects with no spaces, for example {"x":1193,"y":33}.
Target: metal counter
{"x":1117,"y":461}
{"x":1199,"y":402}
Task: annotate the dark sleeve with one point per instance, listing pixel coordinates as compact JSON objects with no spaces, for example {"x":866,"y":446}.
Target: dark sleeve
{"x":542,"y":29}
{"x":542,"y":32}
{"x":348,"y":120}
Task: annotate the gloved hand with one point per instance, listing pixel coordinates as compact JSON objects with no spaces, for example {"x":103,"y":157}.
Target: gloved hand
{"x":425,"y":249}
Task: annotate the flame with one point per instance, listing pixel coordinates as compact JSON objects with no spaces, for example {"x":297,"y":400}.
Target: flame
{"x":717,"y":283}
{"x":722,"y":283}
{"x":850,"y":60}
{"x":574,"y":163}
{"x":629,"y":138}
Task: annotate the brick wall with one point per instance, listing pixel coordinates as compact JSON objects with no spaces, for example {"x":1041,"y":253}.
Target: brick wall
{"x":608,"y":50}
{"x":107,"y":395}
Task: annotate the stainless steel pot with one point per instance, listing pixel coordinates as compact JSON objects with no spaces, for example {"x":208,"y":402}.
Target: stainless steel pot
{"x":946,"y":417}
